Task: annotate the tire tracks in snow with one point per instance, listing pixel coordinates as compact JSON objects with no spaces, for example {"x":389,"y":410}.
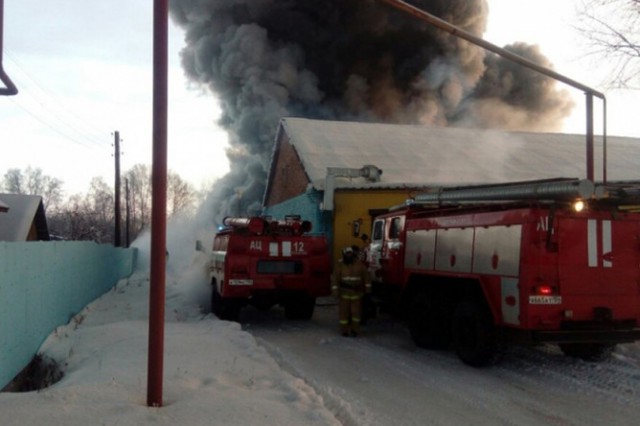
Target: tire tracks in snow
{"x":381,"y":377}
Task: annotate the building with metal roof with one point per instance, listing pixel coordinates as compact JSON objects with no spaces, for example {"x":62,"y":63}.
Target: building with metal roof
{"x":338,"y":174}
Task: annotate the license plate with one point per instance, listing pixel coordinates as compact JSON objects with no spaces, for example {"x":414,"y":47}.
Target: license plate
{"x":240,"y":282}
{"x":545,"y":300}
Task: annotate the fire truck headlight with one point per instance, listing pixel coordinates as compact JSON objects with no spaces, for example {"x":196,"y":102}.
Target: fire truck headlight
{"x":578,"y":206}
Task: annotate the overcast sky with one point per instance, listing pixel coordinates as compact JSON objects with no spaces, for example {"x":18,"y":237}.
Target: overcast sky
{"x":84,"y":71}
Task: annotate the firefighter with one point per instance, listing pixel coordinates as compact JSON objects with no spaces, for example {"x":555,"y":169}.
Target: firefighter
{"x":350,"y":281}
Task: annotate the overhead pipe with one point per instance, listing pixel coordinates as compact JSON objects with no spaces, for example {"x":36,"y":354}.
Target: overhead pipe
{"x":590,"y":93}
{"x":10,"y":88}
{"x":537,"y":190}
{"x":370,"y":172}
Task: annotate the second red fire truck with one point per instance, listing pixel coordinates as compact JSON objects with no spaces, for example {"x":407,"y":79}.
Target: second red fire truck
{"x":265,"y":262}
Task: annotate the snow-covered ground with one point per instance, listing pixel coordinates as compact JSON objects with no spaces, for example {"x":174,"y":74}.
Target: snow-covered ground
{"x":214,"y":373}
{"x":270,"y":371}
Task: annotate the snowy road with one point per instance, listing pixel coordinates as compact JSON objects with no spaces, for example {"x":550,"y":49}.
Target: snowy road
{"x":383,"y":379}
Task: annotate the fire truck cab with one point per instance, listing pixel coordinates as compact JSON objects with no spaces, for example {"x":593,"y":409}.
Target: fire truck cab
{"x":265,"y":262}
{"x":480,"y":272}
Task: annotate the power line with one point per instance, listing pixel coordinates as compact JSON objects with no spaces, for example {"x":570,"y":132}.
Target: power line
{"x":53,"y":96}
{"x":51,"y":127}
{"x":56,"y":111}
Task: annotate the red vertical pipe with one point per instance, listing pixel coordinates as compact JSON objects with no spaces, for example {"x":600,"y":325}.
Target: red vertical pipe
{"x":590,"y":171}
{"x":604,"y":141}
{"x":158,"y":204}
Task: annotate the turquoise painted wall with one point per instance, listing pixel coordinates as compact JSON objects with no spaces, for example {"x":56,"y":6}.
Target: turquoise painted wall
{"x":307,"y":206}
{"x":45,"y":284}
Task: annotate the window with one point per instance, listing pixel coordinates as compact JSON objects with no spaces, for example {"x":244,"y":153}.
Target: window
{"x":377,"y":230}
{"x":396,"y":227}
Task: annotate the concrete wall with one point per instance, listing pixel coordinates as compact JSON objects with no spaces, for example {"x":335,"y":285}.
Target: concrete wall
{"x":43,"y":285}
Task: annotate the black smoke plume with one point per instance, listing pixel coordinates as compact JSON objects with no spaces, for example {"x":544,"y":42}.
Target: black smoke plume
{"x":358,"y":60}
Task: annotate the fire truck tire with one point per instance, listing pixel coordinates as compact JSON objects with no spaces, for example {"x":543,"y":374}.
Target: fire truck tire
{"x":225,"y":309}
{"x":299,"y":307}
{"x":475,"y":338}
{"x":429,"y":324}
{"x":593,"y":352}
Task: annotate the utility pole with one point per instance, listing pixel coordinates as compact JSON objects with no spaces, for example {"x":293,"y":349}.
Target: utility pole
{"x":118,"y":233}
{"x":127,"y":220}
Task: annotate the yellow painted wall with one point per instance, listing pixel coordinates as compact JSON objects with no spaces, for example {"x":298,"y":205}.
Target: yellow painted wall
{"x":354,"y":205}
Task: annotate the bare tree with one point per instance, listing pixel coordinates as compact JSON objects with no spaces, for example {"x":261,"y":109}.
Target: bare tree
{"x":100,"y":200}
{"x":91,"y":216}
{"x":140,"y":198}
{"x":87,"y":218}
{"x":33,"y":182}
{"x":13,"y":181}
{"x":181,"y":195}
{"x":612,"y":28}
{"x":73,"y":221}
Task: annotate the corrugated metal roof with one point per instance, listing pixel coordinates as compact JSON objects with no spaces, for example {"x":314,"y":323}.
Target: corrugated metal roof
{"x":16,"y":223}
{"x":415,"y":155}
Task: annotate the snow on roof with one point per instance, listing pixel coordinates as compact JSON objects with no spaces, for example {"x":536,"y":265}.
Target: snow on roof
{"x":16,"y":223}
{"x":416,"y":155}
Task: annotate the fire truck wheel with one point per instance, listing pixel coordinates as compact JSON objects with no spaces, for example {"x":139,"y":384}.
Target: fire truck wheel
{"x":299,"y":307}
{"x":475,"y":338}
{"x":593,"y":352}
{"x":429,"y":324}
{"x":225,"y":309}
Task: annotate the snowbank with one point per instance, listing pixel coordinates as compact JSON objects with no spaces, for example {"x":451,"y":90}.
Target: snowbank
{"x":213,"y":371}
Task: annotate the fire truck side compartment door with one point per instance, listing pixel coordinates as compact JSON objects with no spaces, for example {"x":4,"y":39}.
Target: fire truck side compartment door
{"x":420,"y":251}
{"x":454,"y":249}
{"x":497,"y":250}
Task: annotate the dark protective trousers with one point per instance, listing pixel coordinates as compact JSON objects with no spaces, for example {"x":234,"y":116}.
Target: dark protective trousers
{"x":350,"y":310}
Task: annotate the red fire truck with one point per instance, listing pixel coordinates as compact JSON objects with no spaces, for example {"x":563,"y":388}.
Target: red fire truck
{"x":265,"y":262}
{"x":482,"y":268}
